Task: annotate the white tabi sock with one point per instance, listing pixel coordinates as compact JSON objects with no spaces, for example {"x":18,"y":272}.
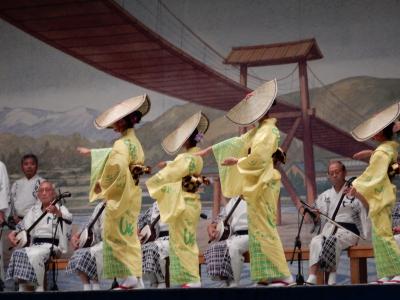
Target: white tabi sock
{"x":39,"y":288}
{"x":332,"y":278}
{"x":396,"y":278}
{"x":87,"y":287}
{"x":23,"y":287}
{"x":312,"y":279}
{"x":130,"y":281}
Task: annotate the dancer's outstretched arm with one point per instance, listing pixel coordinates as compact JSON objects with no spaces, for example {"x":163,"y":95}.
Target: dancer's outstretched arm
{"x":204,"y":152}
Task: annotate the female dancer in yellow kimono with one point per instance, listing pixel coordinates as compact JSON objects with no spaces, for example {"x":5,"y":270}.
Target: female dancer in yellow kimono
{"x":374,"y":188}
{"x":246,"y":168}
{"x":180,"y":209}
{"x":111,"y":179}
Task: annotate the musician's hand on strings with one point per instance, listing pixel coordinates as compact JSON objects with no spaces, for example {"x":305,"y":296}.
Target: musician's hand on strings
{"x":12,"y":237}
{"x":212,"y":231}
{"x":75,"y":241}
{"x":229,"y":161}
{"x":54,"y":210}
{"x":351,"y":191}
{"x":83,"y":151}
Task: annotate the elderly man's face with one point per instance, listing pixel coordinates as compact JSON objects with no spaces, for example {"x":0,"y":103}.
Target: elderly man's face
{"x":336,"y":174}
{"x":46,"y":193}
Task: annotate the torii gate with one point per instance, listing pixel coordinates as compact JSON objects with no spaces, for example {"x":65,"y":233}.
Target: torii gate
{"x":277,"y":54}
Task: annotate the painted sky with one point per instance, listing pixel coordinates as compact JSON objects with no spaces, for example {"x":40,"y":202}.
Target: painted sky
{"x":358,"y":37}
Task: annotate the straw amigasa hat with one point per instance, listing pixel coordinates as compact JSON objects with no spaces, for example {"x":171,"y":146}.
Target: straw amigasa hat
{"x":121,"y":110}
{"x":377,"y":123}
{"x":175,"y":140}
{"x":255,"y":105}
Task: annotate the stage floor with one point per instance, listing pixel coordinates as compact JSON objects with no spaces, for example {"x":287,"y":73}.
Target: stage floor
{"x":259,"y":293}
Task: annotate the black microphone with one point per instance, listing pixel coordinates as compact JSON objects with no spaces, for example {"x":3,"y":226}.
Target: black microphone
{"x":314,"y":218}
{"x":203,"y":216}
{"x":65,"y":195}
{"x":312,"y":214}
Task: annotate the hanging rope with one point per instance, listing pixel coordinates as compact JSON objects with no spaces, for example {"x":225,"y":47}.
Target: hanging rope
{"x":336,"y":97}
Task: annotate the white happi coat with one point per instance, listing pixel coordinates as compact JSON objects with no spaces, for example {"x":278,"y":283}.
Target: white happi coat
{"x":162,"y":244}
{"x":39,"y":254}
{"x":351,"y":211}
{"x":4,"y":207}
{"x":237,"y":244}
{"x":24,"y":195}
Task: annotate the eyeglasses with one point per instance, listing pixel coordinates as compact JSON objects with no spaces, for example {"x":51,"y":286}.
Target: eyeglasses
{"x":335,"y":173}
{"x":43,"y":190}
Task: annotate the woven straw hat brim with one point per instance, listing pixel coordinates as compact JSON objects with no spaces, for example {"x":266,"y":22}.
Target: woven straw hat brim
{"x":121,"y":110}
{"x":251,"y":109}
{"x":175,"y":140}
{"x":377,"y":123}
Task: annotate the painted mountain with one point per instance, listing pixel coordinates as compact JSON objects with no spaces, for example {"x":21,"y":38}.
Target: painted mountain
{"x":38,"y":122}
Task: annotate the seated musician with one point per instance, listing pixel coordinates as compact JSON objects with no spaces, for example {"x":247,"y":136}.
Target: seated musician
{"x":154,"y":253}
{"x":23,"y":194}
{"x":27,"y":265}
{"x":87,"y":262}
{"x":396,"y":222}
{"x":224,"y":259}
{"x":325,"y":248}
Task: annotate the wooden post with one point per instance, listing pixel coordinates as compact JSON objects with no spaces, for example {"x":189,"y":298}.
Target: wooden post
{"x":243,"y":75}
{"x":290,"y":189}
{"x":279,"y":212}
{"x":307,"y":135}
{"x":243,"y":81}
{"x":290,"y":135}
{"x":216,"y":197}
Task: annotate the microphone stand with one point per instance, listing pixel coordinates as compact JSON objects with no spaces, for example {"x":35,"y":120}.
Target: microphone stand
{"x":1,"y":255}
{"x":297,"y":245}
{"x":54,"y":286}
{"x":114,"y":284}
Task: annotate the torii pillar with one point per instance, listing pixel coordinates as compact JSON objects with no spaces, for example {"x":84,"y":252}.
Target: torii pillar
{"x":308,"y":150}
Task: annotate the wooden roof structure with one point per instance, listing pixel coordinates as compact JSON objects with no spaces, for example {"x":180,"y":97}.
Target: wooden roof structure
{"x":102,"y":34}
{"x":274,"y":54}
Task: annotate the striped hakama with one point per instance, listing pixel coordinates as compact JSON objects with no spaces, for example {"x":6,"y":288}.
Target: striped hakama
{"x":218,"y":261}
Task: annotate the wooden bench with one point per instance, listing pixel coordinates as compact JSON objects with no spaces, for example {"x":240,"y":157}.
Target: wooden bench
{"x":358,"y":262}
{"x":358,"y":256}
{"x":305,"y":255}
{"x":61,"y":263}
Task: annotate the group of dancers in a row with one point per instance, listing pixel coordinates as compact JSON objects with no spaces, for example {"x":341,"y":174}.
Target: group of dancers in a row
{"x":249,"y":177}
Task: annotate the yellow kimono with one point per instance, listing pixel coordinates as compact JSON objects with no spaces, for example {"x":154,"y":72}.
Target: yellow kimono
{"x":375,"y":186}
{"x":110,"y":168}
{"x":255,"y":178}
{"x":181,"y":211}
